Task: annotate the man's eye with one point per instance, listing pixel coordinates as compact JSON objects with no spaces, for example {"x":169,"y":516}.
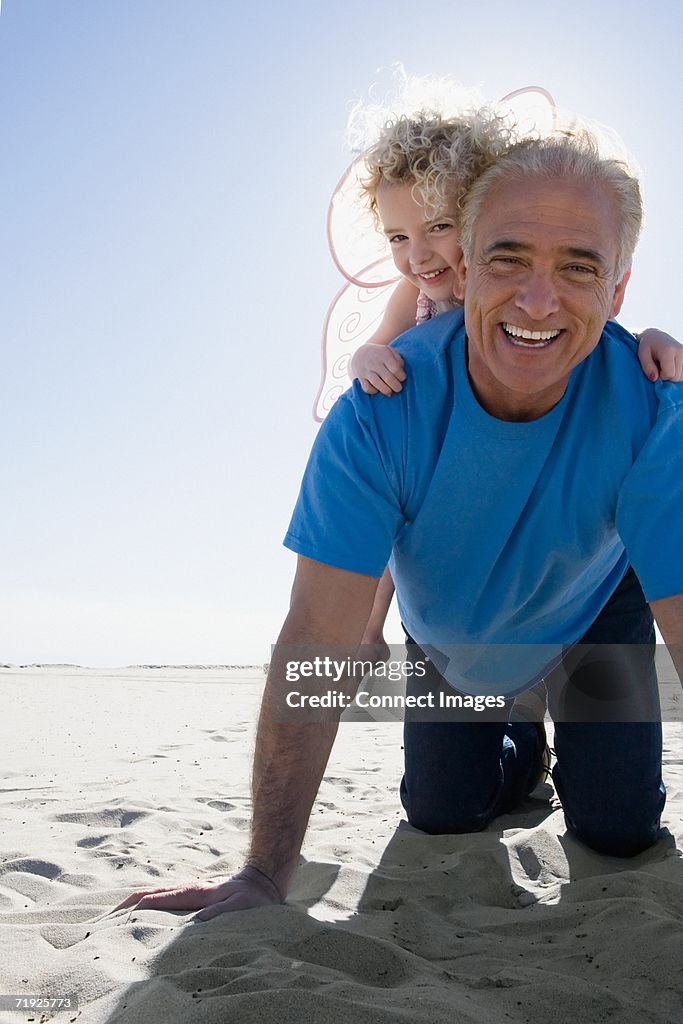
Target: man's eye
{"x":506,"y":260}
{"x":579,"y":268}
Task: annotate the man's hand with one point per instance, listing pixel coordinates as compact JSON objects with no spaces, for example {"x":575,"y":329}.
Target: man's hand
{"x":248,"y":889}
{"x":378,"y":368}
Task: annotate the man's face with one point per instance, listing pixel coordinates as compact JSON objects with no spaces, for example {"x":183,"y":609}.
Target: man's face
{"x":539,"y":288}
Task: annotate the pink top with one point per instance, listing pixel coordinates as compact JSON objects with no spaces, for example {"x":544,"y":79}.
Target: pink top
{"x":426,"y":309}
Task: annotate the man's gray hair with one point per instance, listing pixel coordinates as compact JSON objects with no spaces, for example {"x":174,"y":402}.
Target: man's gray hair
{"x":564,"y":156}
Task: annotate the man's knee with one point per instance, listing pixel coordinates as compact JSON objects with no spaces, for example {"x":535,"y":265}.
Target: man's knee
{"x":620,"y":831}
{"x":441,"y":825}
{"x":430,"y":813}
{"x":627,"y":843}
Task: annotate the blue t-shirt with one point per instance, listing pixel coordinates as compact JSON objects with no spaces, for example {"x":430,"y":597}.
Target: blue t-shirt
{"x":508,"y":538}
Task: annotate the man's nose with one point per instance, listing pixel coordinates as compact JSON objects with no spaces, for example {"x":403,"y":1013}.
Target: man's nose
{"x":537,"y":297}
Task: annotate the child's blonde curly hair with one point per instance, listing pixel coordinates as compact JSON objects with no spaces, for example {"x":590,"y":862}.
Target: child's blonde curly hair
{"x":440,"y":157}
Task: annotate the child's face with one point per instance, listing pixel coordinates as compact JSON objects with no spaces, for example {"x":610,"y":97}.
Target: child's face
{"x":425,"y":250}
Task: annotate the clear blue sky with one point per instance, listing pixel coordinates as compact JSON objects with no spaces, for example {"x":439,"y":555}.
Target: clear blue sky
{"x":165,"y":173}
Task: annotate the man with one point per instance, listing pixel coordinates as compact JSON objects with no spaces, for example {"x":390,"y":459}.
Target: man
{"x":524,"y":467}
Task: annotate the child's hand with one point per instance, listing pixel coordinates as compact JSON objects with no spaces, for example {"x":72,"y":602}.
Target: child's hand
{"x":661,"y":356}
{"x":378,"y":368}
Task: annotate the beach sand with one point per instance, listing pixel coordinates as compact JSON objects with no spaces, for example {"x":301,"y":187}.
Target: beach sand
{"x":121,"y":779}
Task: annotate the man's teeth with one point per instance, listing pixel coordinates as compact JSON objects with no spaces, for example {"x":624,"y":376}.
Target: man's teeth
{"x":519,"y":333}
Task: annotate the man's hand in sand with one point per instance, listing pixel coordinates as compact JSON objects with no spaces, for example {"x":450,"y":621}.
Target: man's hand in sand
{"x":248,"y":889}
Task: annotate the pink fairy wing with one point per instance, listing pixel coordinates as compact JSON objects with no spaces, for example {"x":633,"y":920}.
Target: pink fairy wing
{"x":353,"y":316}
{"x":357,"y":245}
{"x":533,"y":108}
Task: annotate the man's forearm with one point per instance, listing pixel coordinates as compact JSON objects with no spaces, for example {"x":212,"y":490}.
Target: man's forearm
{"x":668,"y":613}
{"x":289,"y":763}
{"x":328,"y":613}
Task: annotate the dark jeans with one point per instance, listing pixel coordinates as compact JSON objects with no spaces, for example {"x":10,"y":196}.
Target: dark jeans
{"x":460,"y":774}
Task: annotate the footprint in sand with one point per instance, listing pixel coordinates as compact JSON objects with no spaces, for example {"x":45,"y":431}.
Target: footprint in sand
{"x":217,"y":805}
{"x":31,"y":866}
{"x":107,"y":816}
{"x":218,"y":734}
{"x":91,"y":841}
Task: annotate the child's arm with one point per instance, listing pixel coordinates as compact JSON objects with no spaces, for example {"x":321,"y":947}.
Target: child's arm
{"x":377,"y":367}
{"x":374,"y":631}
{"x":661,"y":356}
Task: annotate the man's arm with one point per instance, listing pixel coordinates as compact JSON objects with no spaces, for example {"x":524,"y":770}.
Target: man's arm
{"x":329,"y":609}
{"x":328,"y":613}
{"x":668,"y":613}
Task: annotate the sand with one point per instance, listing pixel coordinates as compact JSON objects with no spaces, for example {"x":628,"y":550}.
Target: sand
{"x":117,"y":780}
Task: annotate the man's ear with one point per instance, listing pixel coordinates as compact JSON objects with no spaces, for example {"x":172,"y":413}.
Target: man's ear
{"x":460,"y":275}
{"x":619,"y":292}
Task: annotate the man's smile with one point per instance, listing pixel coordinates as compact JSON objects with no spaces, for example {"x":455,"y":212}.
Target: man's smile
{"x":521,"y":337}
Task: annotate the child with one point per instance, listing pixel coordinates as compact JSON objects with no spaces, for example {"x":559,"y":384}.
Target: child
{"x":417,"y":174}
